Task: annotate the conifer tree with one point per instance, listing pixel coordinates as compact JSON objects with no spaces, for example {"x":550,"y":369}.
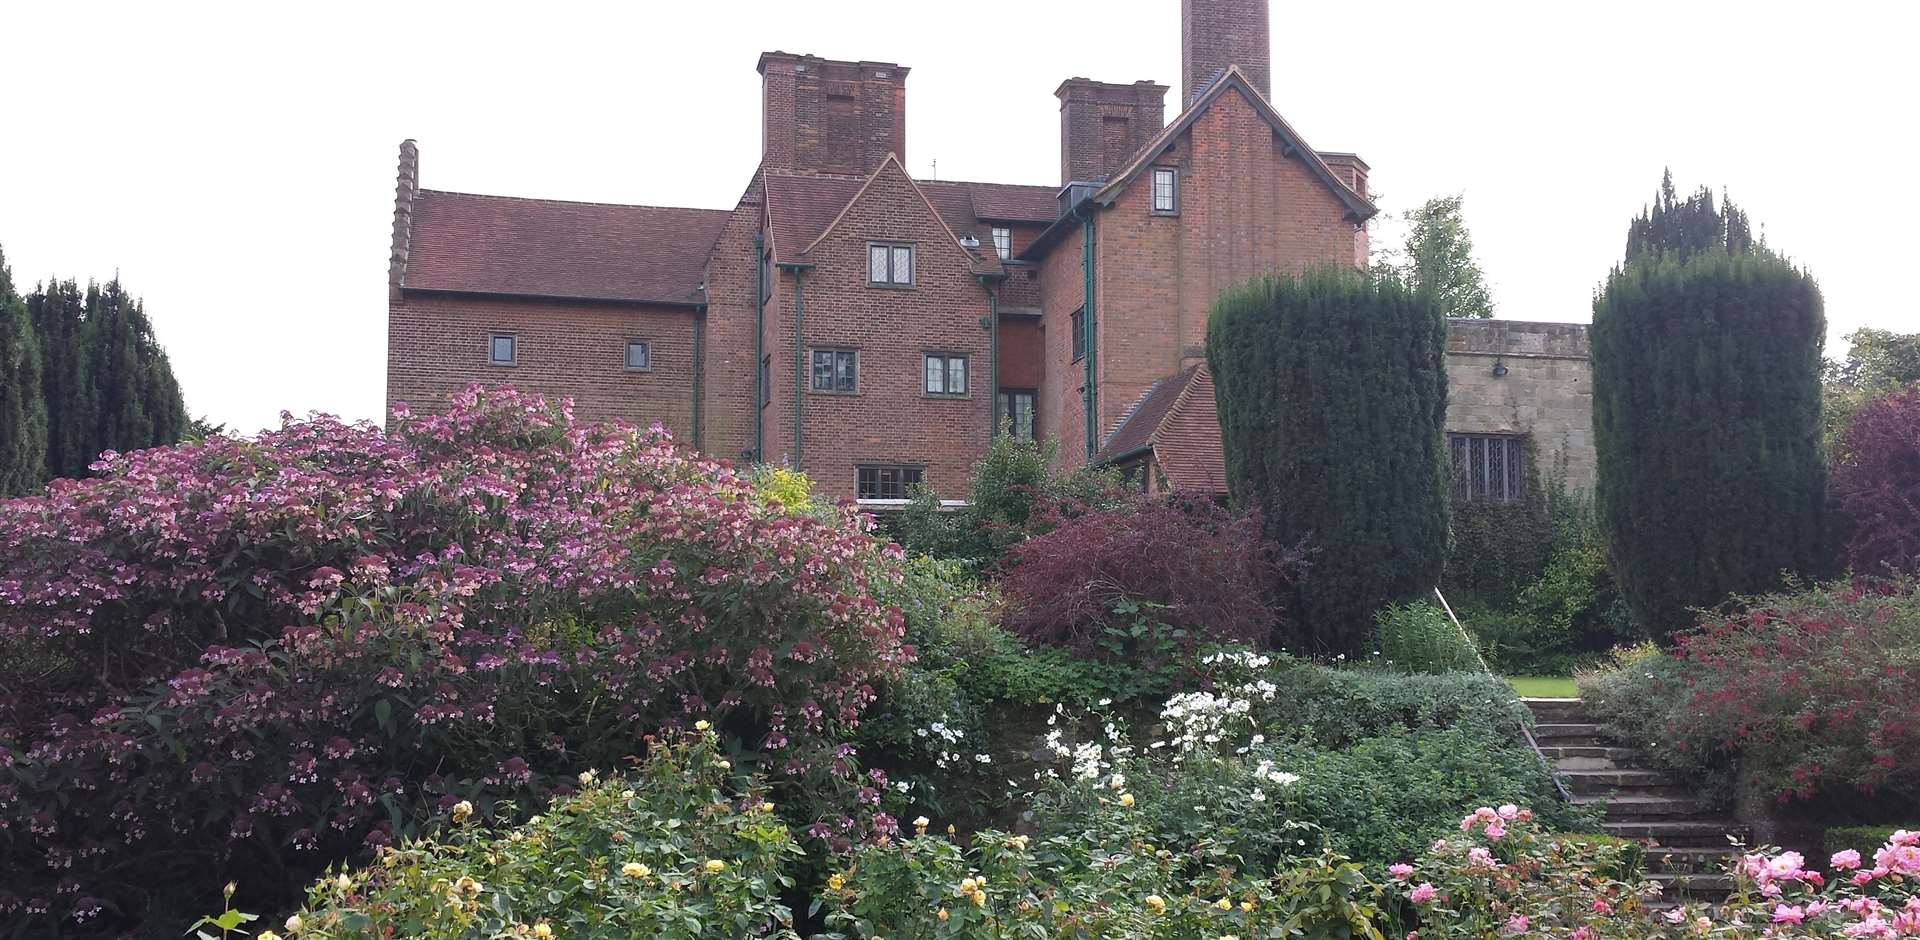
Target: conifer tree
{"x":23,"y":410}
{"x":1706,"y":411}
{"x":106,"y":381}
{"x":1332,"y":394}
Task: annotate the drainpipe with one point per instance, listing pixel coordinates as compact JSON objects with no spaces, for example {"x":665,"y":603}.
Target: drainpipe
{"x":699,"y":368}
{"x":1089,"y":398}
{"x":993,"y":357}
{"x":799,"y":359}
{"x":759,"y":338}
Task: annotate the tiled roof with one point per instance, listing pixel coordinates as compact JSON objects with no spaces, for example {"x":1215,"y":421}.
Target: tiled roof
{"x":1177,"y":418}
{"x":549,"y":248}
{"x":803,"y":205}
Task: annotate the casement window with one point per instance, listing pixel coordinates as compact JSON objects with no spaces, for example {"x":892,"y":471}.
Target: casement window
{"x":1016,"y":410}
{"x":1079,"y":322}
{"x":889,"y":264}
{"x":836,"y":370}
{"x":1490,"y":467}
{"x":502,"y":348}
{"x":1003,"y":242}
{"x":886,"y":482}
{"x":946,"y":374}
{"x":1166,"y":190}
{"x":639,"y":355}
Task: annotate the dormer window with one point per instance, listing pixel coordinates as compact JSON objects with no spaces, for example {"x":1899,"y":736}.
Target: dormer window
{"x":1166,"y":190}
{"x":889,"y":265}
{"x":1003,"y":242}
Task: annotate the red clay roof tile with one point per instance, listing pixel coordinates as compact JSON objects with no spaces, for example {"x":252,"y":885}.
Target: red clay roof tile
{"x":550,"y":248}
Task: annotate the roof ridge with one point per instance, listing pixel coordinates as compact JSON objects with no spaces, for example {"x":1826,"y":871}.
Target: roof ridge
{"x":572,"y":202}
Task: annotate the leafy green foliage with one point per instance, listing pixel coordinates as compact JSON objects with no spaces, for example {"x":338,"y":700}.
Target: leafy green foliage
{"x":23,"y":407}
{"x":1877,"y":362}
{"x":683,"y":848}
{"x":1706,"y":407}
{"x":1641,"y":695}
{"x":1332,"y":396}
{"x":1438,"y":258}
{"x":1419,"y":637}
{"x":1013,"y":494}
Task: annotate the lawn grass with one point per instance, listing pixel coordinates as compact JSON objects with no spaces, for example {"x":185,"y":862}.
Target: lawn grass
{"x":1544,"y":686}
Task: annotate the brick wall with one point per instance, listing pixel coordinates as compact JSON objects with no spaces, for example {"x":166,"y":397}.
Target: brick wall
{"x":1104,"y":123}
{"x":1060,"y":407}
{"x":1217,"y":33}
{"x":437,"y":345}
{"x":1547,"y":391}
{"x":1245,"y":209}
{"x":732,"y":277}
{"x":832,"y":116}
{"x":890,"y":420}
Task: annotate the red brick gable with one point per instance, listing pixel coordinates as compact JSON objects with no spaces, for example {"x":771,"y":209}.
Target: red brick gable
{"x":801,"y":207}
{"x":548,"y":248}
{"x":1359,"y":207}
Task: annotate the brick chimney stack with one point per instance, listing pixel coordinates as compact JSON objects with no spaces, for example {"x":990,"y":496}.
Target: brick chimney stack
{"x":1217,"y":33}
{"x":1104,"y":123}
{"x":406,"y":186}
{"x":830,"y":116}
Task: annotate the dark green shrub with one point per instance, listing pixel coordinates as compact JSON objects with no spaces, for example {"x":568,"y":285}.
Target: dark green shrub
{"x":1706,"y":414}
{"x":1332,"y":395}
{"x":1333,"y":707}
{"x":1420,"y":637}
{"x":1863,"y":839}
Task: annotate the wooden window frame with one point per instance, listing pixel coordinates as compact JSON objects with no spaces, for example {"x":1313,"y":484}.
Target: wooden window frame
{"x":513,"y":349}
{"x":893,"y":281}
{"x":904,"y":487}
{"x":813,"y":355}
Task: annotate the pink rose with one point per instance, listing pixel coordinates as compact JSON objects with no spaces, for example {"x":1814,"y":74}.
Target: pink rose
{"x":1517,"y":924}
{"x":1784,"y":914}
{"x":1401,"y":871}
{"x":1423,"y":892}
{"x":1847,"y":860}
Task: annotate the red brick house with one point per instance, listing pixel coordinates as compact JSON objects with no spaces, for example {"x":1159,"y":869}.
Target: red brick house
{"x":873,"y":329}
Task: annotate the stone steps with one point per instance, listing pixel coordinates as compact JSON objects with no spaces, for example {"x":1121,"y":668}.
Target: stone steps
{"x":1687,"y":847}
{"x":1620,"y":783}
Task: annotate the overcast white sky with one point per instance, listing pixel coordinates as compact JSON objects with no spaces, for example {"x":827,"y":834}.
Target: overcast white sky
{"x":234,"y":163}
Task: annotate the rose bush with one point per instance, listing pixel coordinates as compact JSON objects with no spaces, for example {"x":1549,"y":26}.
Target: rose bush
{"x":253,"y":657}
{"x":682,"y":847}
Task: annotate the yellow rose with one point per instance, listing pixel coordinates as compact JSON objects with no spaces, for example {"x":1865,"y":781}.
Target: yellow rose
{"x":542,"y":931}
{"x":837,"y":881}
{"x":766,"y":807}
{"x":586,"y":777}
{"x":1246,"y":906}
{"x":1223,"y":904}
{"x":1156,"y":904}
{"x":701,"y":725}
{"x":342,"y":882}
{"x":716,"y":866}
{"x":267,"y":935}
{"x":462,"y":811}
{"x":635,"y":870}
{"x":1126,"y":799}
{"x":979,"y":898}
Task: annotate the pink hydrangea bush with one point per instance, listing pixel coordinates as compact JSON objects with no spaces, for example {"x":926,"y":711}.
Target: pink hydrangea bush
{"x":1504,"y":877}
{"x":254,"y":657}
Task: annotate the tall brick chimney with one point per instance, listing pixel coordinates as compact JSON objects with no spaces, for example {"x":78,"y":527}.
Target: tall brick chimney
{"x":1217,"y":33}
{"x":406,"y":186}
{"x":831,"y":116}
{"x":1104,"y":123}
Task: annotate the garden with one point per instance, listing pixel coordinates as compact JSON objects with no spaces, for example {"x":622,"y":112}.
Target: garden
{"x":495,"y":672}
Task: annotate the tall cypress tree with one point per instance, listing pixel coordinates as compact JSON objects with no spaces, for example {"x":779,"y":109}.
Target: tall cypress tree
{"x":23,"y":409}
{"x":59,"y":311}
{"x":106,"y":381}
{"x":1706,"y":413}
{"x":1332,"y":393}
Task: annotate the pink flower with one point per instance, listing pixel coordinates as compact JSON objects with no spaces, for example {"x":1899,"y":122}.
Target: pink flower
{"x":1422,"y":893}
{"x":1508,"y":811}
{"x":1400,"y":871}
{"x":1600,"y":906}
{"x":1784,"y":914}
{"x":1496,"y":831}
{"x":1517,"y":924}
{"x":1846,"y":860}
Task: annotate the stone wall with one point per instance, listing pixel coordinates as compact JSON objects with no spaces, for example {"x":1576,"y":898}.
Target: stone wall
{"x":1545,"y":389}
